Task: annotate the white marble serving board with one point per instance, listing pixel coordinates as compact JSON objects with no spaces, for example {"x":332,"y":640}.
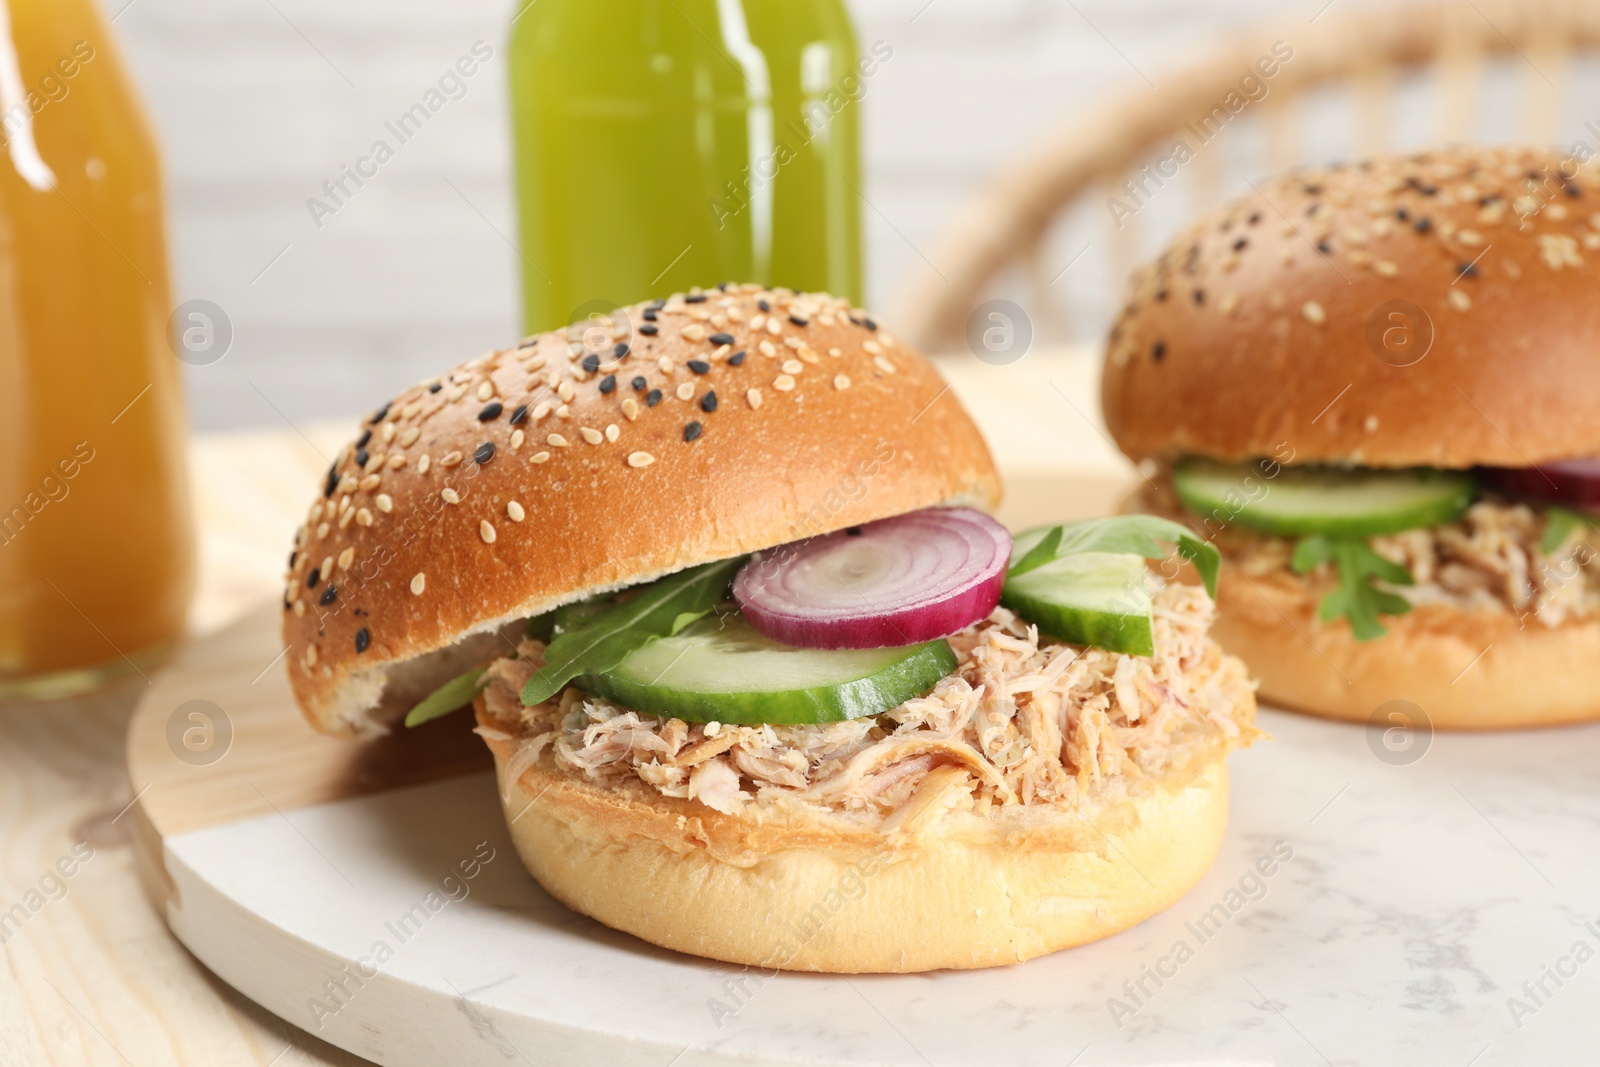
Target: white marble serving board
{"x":1418,"y":899}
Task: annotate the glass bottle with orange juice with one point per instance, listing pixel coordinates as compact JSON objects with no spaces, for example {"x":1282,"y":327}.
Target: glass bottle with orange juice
{"x":96,"y":551}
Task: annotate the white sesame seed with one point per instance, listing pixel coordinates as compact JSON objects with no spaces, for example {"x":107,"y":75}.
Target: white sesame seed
{"x":450,"y":459}
{"x":396,"y":461}
{"x":793,"y":366}
{"x":565,"y":391}
{"x":1371,"y":424}
{"x":872,"y":346}
{"x":774,"y":327}
{"x":640,"y":459}
{"x":665,"y":364}
{"x":515,"y":512}
{"x":371,"y":482}
{"x":593,"y":436}
{"x":327,"y":566}
{"x":517,"y":437}
{"x":685,"y":390}
{"x":693,"y":332}
{"x":613,"y":431}
{"x":347,"y":557}
{"x":347,"y":484}
{"x":1313,"y":313}
{"x":539,"y":457}
{"x":1470,"y":238}
{"x":311,"y":655}
{"x":767,"y":348}
{"x":486,"y":531}
{"x":423,"y":463}
{"x":758,"y":321}
{"x":300,"y":608}
{"x":363,"y":517}
{"x":409,"y":438}
{"x":347,"y":518}
{"x":563,"y":412}
{"x":555,"y":440}
{"x":883,"y":364}
{"x":540,"y":410}
{"x":485,"y":390}
{"x":1459,"y":299}
{"x":385,"y":503}
{"x":322,"y":530}
{"x":419,"y":582}
{"x":457,"y":393}
{"x":754,"y":397}
{"x":450,"y":495}
{"x":630,"y":408}
{"x":783,"y":383}
{"x":387,"y":432}
{"x":841,"y":381}
{"x":410,"y":411}
{"x":1385,"y":267}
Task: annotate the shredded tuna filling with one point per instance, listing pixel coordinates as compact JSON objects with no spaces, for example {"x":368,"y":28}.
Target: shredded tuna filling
{"x":1488,"y":560}
{"x":1021,"y":721}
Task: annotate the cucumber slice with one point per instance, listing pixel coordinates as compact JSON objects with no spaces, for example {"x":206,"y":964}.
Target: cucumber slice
{"x":720,"y":670}
{"x":1357,"y":502}
{"x":1090,"y":598}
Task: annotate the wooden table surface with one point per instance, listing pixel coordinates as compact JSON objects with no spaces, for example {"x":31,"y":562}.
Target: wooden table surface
{"x":92,"y":976}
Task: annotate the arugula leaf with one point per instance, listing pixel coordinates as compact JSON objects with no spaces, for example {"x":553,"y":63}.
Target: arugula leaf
{"x":1138,"y":535}
{"x":1356,"y":598}
{"x":602,"y":640}
{"x":1559,"y":526}
{"x":448,"y":697}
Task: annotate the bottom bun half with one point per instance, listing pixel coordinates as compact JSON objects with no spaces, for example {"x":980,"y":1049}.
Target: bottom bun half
{"x":789,"y":891}
{"x":1465,"y":670}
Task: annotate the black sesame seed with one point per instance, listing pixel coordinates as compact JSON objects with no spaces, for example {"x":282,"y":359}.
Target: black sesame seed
{"x":1423,"y":225}
{"x":721,"y":338}
{"x":491,"y":410}
{"x":1313,"y":190}
{"x":1161,"y":296}
{"x":736,"y":359}
{"x":652,"y":398}
{"x":638,"y":384}
{"x":657,"y":305}
{"x":854,"y":531}
{"x":699,"y":366}
{"x":649,"y":329}
{"x":649,"y":314}
{"x":329,"y":595}
{"x":1199,"y":297}
{"x":608,"y":383}
{"x":363,"y":640}
{"x":591,"y":363}
{"x":708,"y":403}
{"x":695,"y":298}
{"x":366,"y":435}
{"x":692,"y":431}
{"x":378,"y":416}
{"x":869,"y":324}
{"x":1571,"y":190}
{"x":1466,"y":270}
{"x":1402,"y":214}
{"x":484,"y":453}
{"x":1158,"y":351}
{"x":333,"y":482}
{"x":763,"y":305}
{"x":519,"y":414}
{"x":620,"y":351}
{"x":435,"y":387}
{"x":313,"y":578}
{"x":1254,"y":217}
{"x":1324,"y":247}
{"x":798,"y":321}
{"x":293,"y":555}
{"x":362,"y":457}
{"x":1240,"y":244}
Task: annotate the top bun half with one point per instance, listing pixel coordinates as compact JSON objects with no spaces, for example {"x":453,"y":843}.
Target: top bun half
{"x":1440,"y":309}
{"x":598,"y":457}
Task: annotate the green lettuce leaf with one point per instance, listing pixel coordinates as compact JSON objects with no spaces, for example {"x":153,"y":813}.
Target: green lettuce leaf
{"x":453,"y":694}
{"x":1559,"y":526}
{"x":1137,"y":535}
{"x":1356,"y":599}
{"x":600,"y":641}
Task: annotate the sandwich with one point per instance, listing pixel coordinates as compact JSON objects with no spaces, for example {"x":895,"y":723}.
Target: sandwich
{"x":1368,"y":386}
{"x":762,"y":679}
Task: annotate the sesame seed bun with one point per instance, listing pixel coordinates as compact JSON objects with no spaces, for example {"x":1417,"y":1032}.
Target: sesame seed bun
{"x":807,"y":892}
{"x":1465,"y":670}
{"x":1270,"y":322}
{"x":538,"y":475}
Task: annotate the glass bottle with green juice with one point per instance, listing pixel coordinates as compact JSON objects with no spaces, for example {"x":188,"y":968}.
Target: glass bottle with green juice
{"x":667,"y":144}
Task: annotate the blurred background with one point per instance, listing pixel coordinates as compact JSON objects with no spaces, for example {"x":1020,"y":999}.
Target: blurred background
{"x":258,"y":102}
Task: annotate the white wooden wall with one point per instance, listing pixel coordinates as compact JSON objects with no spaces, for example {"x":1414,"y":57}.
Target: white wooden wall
{"x":259,"y":101}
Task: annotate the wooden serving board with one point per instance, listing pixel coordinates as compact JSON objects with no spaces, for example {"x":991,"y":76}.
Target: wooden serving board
{"x":368,"y":893}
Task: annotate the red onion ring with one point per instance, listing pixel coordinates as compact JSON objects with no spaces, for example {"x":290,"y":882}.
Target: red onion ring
{"x":897,"y":581}
{"x":1574,"y":481}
